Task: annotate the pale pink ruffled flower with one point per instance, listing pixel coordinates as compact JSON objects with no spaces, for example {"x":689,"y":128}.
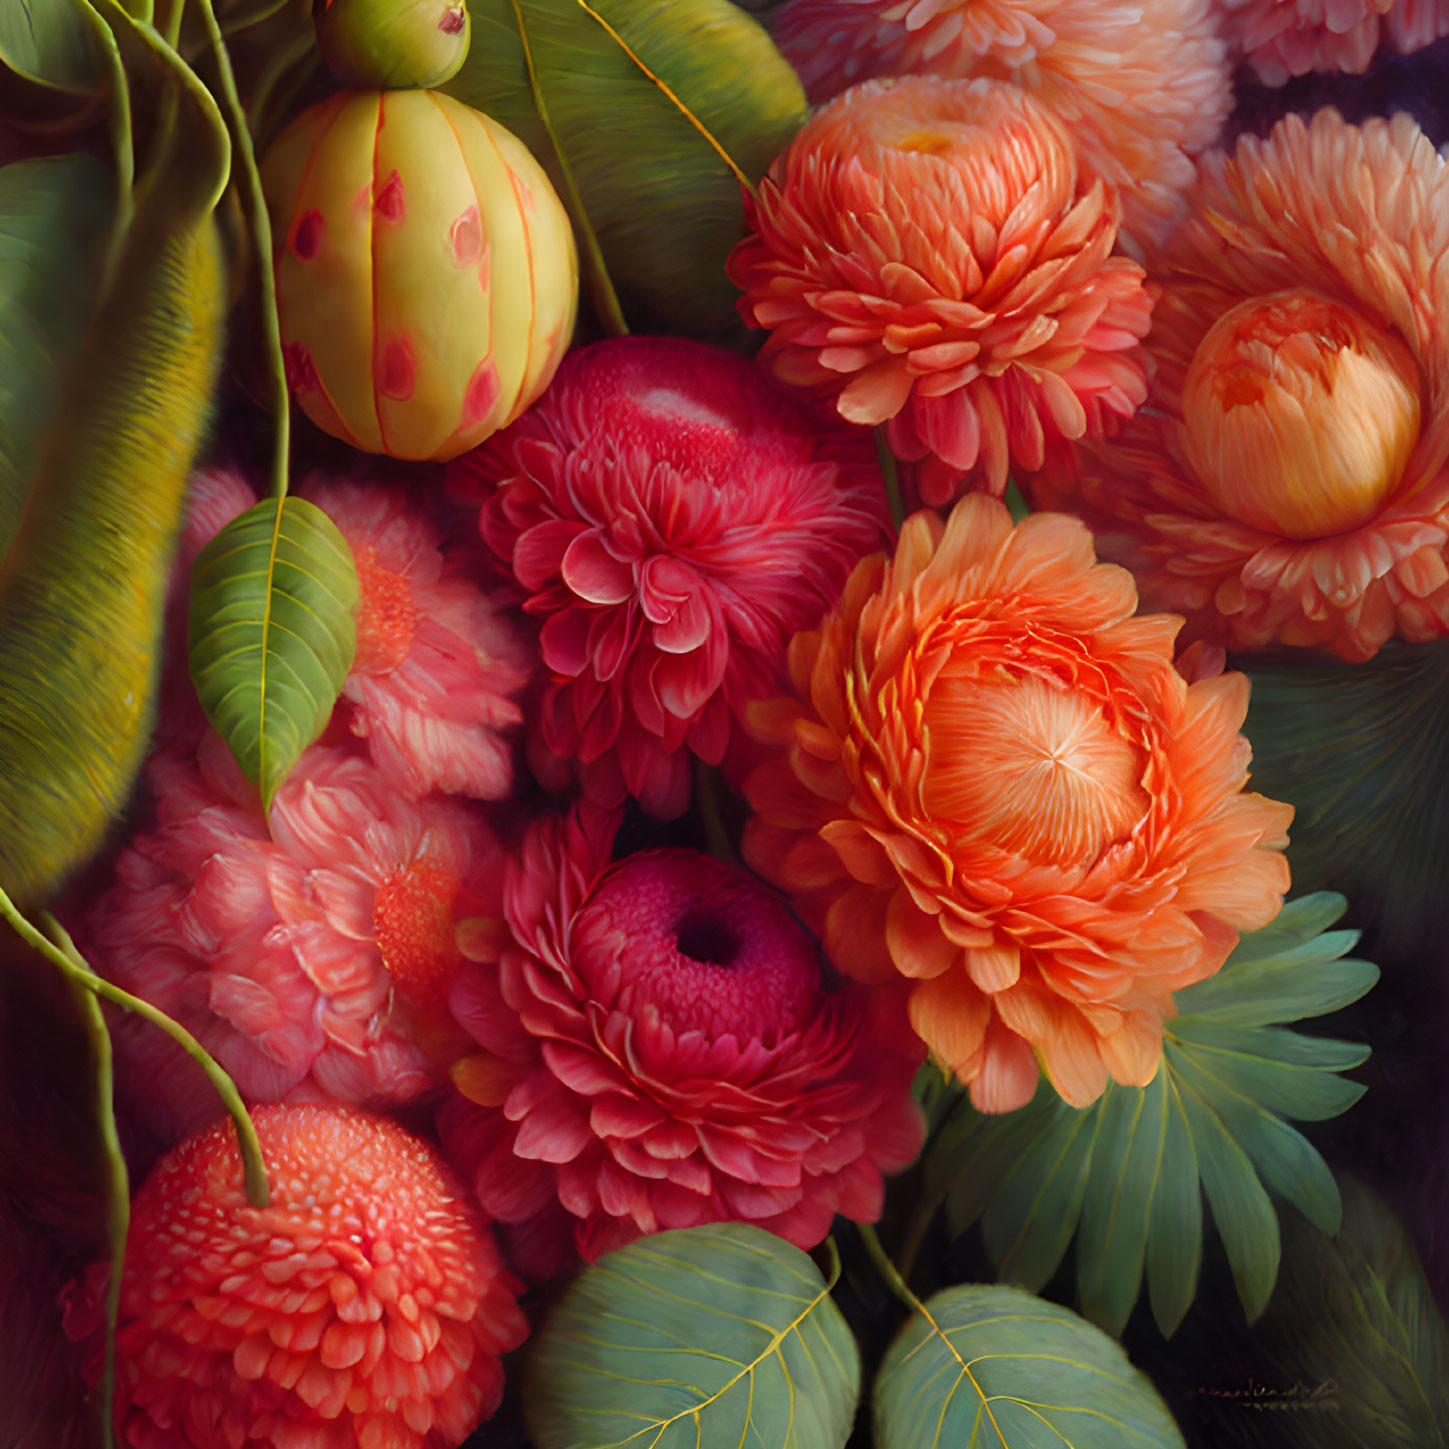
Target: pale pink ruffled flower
{"x":314,"y":963}
{"x":673,"y":518}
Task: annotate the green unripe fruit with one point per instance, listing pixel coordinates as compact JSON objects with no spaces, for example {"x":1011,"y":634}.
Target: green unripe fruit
{"x":392,"y":44}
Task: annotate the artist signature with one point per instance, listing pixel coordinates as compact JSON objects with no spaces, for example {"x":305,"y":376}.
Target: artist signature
{"x":1321,"y":1397}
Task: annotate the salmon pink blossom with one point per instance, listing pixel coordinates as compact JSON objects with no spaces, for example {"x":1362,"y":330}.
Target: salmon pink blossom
{"x":365,"y":1306}
{"x":672,"y":518}
{"x":1141,"y":87}
{"x":1288,"y":481}
{"x":314,"y":961}
{"x":993,"y":783}
{"x":927,"y":253}
{"x":659,"y":1051}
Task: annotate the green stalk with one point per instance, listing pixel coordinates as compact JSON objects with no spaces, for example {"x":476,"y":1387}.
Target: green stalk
{"x":888,"y":472}
{"x":78,"y":973}
{"x":256,"y":206}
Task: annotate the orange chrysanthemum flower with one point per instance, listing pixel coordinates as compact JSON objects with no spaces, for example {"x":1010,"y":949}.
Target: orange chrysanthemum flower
{"x":1141,"y":87}
{"x":995,"y":783}
{"x":1288,"y":480}
{"x":1283,"y":38}
{"x":927,"y":250}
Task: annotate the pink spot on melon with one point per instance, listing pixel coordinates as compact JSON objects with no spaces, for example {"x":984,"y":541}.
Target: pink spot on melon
{"x":299,"y":368}
{"x":389,"y":201}
{"x":483,"y":390}
{"x":394,"y":370}
{"x":484,"y":269}
{"x":525,"y":194}
{"x":307,"y":236}
{"x":363,"y":197}
{"x":467,"y":235}
{"x":453,"y":21}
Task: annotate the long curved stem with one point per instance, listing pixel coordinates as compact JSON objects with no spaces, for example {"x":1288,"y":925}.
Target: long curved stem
{"x":256,"y":206}
{"x":253,"y":1165}
{"x":886,"y":1268}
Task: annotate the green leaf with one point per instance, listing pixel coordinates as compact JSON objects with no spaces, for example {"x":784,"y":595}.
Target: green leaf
{"x":1362,"y":751}
{"x":1126,"y":1176}
{"x":50,"y":43}
{"x":272,"y":633}
{"x":994,"y":1368}
{"x":1353,"y":1338}
{"x":55,"y":216}
{"x":635,"y":171}
{"x":701,"y":1338}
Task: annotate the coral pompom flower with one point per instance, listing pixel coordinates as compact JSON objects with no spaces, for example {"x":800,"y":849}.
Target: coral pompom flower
{"x":437,"y":667}
{"x":993,"y":782}
{"x":673,"y":519}
{"x":1289,"y":480}
{"x":927,"y":252}
{"x":365,"y":1306}
{"x":1141,"y":87}
{"x":1283,"y":38}
{"x":660,"y":1052}
{"x":314,"y":961}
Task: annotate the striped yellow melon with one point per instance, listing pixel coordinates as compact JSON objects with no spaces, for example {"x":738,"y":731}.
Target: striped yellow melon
{"x":426,"y":275}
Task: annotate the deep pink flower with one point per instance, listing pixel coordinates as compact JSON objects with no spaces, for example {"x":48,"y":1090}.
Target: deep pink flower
{"x":314,"y":962}
{"x":673,"y":519}
{"x":659,"y":1051}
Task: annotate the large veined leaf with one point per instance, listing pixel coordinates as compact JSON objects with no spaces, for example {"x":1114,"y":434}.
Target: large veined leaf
{"x":50,"y":42}
{"x":701,"y":1338}
{"x":55,"y":218}
{"x":1362,"y":751}
{"x":992,"y":1367}
{"x":631,"y":165}
{"x":1354,"y":1352}
{"x":1123,"y":1176}
{"x":272,"y":633}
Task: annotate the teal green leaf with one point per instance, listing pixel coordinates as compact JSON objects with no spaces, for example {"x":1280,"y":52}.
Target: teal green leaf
{"x":990,"y":1367}
{"x":55,"y":217}
{"x":1126,"y":1178}
{"x":50,"y":42}
{"x":272,"y":633}
{"x":1362,"y":751}
{"x":1353,"y":1339}
{"x":701,"y":1338}
{"x":634,"y":170}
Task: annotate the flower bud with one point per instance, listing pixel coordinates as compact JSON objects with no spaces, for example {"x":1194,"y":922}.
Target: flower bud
{"x":426,"y":274}
{"x":1300,"y":414}
{"x":392,"y":44}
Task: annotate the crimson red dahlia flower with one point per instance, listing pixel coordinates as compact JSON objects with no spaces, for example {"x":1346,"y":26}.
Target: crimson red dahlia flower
{"x":365,"y":1308}
{"x":673,"y":519}
{"x":660,"y":1051}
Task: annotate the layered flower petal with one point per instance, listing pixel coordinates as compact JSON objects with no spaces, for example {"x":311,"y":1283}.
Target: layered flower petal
{"x":927,"y":252}
{"x":1141,"y":87}
{"x":311,"y":951}
{"x":1288,"y":482}
{"x":365,"y":1305}
{"x":660,"y":1049}
{"x":672,"y":519}
{"x":1059,"y":837}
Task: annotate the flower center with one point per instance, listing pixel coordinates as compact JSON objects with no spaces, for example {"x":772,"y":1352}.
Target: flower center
{"x":708,"y":947}
{"x":386,"y":615}
{"x":412,"y":922}
{"x":1031,"y":767}
{"x":1300,"y":414}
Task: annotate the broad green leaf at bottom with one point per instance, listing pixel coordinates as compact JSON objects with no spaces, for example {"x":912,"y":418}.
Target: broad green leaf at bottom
{"x":991,"y":1367}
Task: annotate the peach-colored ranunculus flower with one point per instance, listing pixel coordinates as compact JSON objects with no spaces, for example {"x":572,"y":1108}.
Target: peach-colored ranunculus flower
{"x":927,"y":252}
{"x":1142,"y":87}
{"x":1288,"y":480}
{"x":994,"y":782}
